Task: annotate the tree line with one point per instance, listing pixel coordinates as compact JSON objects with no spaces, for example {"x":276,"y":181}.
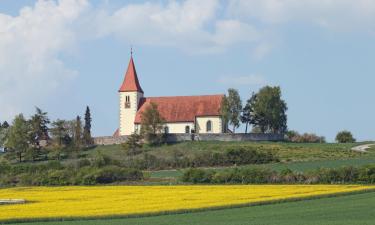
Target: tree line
{"x":264,"y":110}
{"x":39,"y":138}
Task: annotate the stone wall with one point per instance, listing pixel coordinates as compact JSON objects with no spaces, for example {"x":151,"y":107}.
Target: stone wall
{"x":173,"y":138}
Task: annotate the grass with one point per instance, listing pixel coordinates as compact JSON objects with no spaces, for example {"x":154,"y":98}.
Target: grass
{"x":295,"y":166}
{"x":344,"y":210}
{"x":287,"y":152}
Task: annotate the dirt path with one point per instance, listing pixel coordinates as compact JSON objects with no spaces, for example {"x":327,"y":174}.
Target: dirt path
{"x":362,"y":148}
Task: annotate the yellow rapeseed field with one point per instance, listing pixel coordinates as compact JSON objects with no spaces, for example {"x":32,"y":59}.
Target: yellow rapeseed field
{"x":65,"y":202}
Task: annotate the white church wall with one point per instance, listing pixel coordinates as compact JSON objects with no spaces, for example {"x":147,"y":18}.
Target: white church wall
{"x":179,"y":128}
{"x":201,"y":124}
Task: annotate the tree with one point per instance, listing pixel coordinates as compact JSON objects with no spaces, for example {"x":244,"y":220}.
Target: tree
{"x":78,"y":133}
{"x":39,"y":125}
{"x":224,"y":111}
{"x":133,"y":145}
{"x":234,"y":108}
{"x":247,"y":112}
{"x":39,"y":131}
{"x":269,"y":110}
{"x":60,"y":136}
{"x":87,"y":128}
{"x":5,"y":124}
{"x":345,"y":137}
{"x":152,"y":124}
{"x":3,"y":136}
{"x":18,"y":137}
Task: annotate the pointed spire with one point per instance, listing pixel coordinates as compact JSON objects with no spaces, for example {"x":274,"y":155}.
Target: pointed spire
{"x":131,"y":82}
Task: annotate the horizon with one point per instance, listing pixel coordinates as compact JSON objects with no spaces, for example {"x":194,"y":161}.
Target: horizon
{"x":64,"y":55}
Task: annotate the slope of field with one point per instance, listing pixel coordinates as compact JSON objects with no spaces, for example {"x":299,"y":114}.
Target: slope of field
{"x":86,"y":202}
{"x":344,"y":210}
{"x":295,"y":166}
{"x":287,"y":152}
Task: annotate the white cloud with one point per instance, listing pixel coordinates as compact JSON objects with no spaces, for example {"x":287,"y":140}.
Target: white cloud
{"x":30,"y":44}
{"x":191,"y":25}
{"x":255,"y":80}
{"x":334,"y":14}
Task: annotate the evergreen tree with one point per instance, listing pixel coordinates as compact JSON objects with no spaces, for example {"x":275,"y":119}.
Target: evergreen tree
{"x":87,"y":128}
{"x":39,"y":125}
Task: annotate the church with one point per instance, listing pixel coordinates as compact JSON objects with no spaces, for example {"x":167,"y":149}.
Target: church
{"x":182,"y":114}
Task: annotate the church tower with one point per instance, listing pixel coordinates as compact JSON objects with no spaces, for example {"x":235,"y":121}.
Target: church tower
{"x":130,"y":96}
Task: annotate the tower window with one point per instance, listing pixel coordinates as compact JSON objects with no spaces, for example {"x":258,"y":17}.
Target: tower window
{"x":209,"y":126}
{"x":127,"y":101}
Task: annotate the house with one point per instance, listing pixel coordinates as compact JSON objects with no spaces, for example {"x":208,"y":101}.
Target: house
{"x":183,"y":114}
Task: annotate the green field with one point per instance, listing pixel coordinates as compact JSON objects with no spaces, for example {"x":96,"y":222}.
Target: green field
{"x":352,"y":209}
{"x":295,"y":166}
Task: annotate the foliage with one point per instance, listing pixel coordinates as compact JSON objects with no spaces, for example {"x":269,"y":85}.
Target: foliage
{"x":78,"y":141}
{"x":224,"y":111}
{"x":5,"y":124}
{"x":18,"y":138}
{"x":343,"y":175}
{"x":248,"y":112}
{"x":152,"y":124}
{"x":133,"y":145}
{"x":294,"y":136}
{"x":269,"y":110}
{"x":345,"y":137}
{"x":39,"y":127}
{"x":100,"y":170}
{"x":233,"y":107}
{"x":87,"y":138}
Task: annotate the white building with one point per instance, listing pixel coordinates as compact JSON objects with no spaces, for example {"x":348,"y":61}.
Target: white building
{"x":183,"y":114}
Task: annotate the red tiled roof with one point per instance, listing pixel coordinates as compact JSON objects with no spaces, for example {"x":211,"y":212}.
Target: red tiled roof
{"x":182,"y":108}
{"x":131,"y":82}
{"x":116,"y":133}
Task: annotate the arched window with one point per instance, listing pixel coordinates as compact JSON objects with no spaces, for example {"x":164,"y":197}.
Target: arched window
{"x":209,"y":126}
{"x":187,"y":129}
{"x":166,"y":130}
{"x":127,"y":101}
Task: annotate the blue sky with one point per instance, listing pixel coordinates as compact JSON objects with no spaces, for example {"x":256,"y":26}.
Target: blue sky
{"x":64,"y":55}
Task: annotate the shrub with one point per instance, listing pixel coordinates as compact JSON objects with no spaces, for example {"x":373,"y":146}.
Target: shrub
{"x":294,"y":136}
{"x":197,"y":176}
{"x":345,"y":137}
{"x":347,"y":174}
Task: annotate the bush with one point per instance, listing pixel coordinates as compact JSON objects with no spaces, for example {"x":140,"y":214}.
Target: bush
{"x":294,"y":136}
{"x":345,"y":137}
{"x":347,"y":174}
{"x":197,"y":176}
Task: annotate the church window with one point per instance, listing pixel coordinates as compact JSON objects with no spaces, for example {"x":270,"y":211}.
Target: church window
{"x":187,"y":129}
{"x":209,"y":126}
{"x":127,"y":101}
{"x":166,"y":130}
